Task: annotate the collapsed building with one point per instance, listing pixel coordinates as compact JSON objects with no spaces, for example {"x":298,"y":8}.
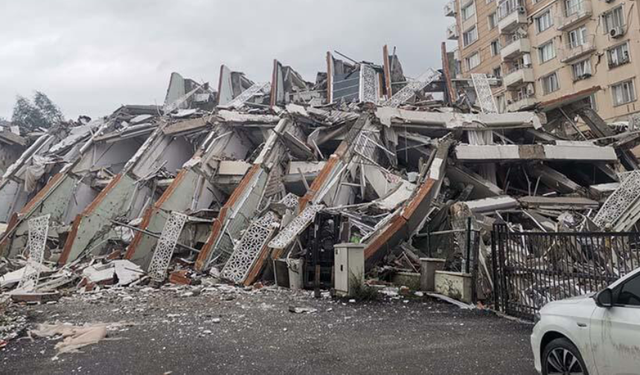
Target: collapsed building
{"x":255,"y":179}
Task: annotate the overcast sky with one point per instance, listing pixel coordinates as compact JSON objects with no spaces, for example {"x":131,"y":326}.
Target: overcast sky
{"x":90,"y":56}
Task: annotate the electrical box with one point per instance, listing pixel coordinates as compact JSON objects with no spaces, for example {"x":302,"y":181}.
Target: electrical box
{"x":348,"y":267}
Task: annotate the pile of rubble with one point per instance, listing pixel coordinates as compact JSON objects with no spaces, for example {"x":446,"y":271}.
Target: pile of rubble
{"x":253,"y":180}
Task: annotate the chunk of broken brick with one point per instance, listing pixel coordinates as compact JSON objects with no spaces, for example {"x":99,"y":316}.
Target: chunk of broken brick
{"x":116,"y":254}
{"x":35,"y":297}
{"x":180,"y":277}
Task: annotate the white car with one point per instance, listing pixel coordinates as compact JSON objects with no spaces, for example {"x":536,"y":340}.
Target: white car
{"x":597,"y":334}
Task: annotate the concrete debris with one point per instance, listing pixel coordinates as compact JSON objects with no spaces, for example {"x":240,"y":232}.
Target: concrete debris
{"x":256,"y":182}
{"x":461,"y":305}
{"x":75,"y":337}
{"x":302,"y":310}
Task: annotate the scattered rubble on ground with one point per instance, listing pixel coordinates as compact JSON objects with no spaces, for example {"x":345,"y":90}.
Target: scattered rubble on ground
{"x":255,"y":183}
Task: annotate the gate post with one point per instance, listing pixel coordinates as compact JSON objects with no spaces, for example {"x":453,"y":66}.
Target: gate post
{"x":494,"y":263}
{"x":502,"y":239}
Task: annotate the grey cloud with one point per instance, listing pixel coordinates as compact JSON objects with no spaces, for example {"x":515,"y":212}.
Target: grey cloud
{"x":90,"y":56}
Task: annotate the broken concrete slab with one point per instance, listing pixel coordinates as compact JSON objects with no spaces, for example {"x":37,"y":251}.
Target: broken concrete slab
{"x":504,"y":153}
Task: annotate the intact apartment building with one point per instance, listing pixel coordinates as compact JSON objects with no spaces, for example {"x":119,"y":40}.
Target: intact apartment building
{"x":550,"y":52}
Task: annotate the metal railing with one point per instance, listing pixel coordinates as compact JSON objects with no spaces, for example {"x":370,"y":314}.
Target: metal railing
{"x":515,"y":69}
{"x":507,"y":7}
{"x":518,"y":96}
{"x":531,"y":269}
{"x":513,"y":39}
{"x":450,"y":8}
{"x":573,"y":14}
{"x":578,"y":9}
{"x":577,"y":48}
{"x":452,"y":31}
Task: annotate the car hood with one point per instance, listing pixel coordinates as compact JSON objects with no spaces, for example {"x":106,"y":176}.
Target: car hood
{"x":575,"y":300}
{"x":581,"y":306}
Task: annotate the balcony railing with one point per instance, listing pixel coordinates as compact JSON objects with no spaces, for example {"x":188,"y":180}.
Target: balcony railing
{"x":514,"y":69}
{"x":517,"y":76}
{"x":452,"y":32}
{"x":574,"y":14}
{"x":522,"y":103}
{"x":511,"y":15}
{"x":515,"y":47}
{"x":508,"y":7}
{"x":575,"y":50}
{"x":450,"y":9}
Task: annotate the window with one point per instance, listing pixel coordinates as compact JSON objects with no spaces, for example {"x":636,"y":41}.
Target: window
{"x":577,"y":37}
{"x":623,"y":93}
{"x":546,"y":52}
{"x":581,"y":70}
{"x":468,"y":11}
{"x":618,"y":55}
{"x":572,"y":7}
{"x":492,"y":20}
{"x":613,"y":19}
{"x":497,"y":72}
{"x":470,"y":36}
{"x":495,"y":47}
{"x":629,"y":293}
{"x":550,"y":83}
{"x":544,"y":21}
{"x":473,"y":61}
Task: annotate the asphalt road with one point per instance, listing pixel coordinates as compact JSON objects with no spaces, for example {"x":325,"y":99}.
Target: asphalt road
{"x":227,"y":331}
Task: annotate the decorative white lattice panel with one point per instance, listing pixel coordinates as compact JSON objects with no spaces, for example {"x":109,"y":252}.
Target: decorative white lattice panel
{"x":411,"y":89}
{"x":484,"y":96}
{"x":166,"y":244}
{"x":238,"y":102}
{"x":290,"y":200}
{"x":291,"y":231}
{"x":620,"y":201}
{"x":368,"y":85}
{"x":38,"y":231}
{"x":248,"y":249}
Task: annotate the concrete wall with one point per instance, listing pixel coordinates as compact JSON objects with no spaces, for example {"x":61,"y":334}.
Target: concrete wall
{"x":93,"y":224}
{"x":178,"y":197}
{"x":8,"y":155}
{"x":53,"y":199}
{"x":112,"y":155}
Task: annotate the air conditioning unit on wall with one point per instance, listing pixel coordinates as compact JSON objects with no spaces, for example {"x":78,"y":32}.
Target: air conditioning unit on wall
{"x":616,"y":32}
{"x":530,"y":89}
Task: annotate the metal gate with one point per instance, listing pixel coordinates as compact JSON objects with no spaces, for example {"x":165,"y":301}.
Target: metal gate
{"x":531,"y":269}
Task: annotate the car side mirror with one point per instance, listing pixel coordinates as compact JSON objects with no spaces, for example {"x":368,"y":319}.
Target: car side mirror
{"x":604,"y":298}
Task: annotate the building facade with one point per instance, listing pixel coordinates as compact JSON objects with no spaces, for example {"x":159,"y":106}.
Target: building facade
{"x":549,"y":52}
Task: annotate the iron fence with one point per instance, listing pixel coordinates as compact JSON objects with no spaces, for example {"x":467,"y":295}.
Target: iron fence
{"x":531,"y":269}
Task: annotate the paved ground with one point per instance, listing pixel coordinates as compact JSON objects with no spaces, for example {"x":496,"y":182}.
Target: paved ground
{"x":225,"y":330}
